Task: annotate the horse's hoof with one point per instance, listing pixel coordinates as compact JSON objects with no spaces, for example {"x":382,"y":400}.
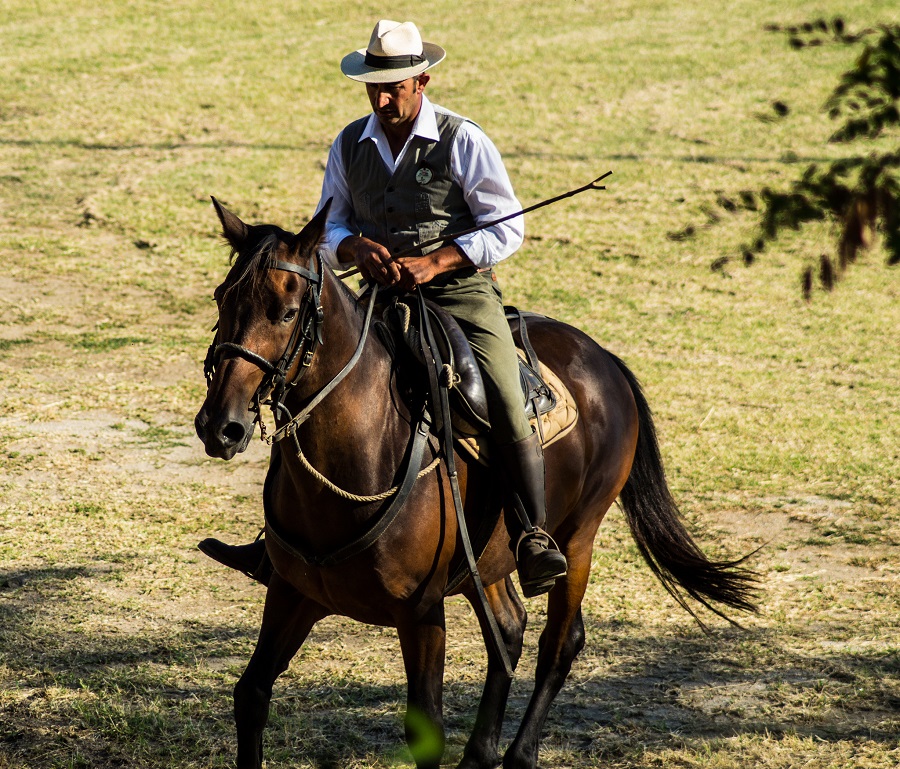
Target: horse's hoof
{"x":469,"y":762}
{"x":465,"y":764}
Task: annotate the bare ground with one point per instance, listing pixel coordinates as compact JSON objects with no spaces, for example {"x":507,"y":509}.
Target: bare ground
{"x":121,"y":642}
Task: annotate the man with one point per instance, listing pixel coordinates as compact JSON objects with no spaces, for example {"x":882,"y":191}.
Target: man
{"x":409,"y":172}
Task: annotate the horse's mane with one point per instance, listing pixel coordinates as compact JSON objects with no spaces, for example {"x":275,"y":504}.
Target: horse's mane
{"x":246,"y":263}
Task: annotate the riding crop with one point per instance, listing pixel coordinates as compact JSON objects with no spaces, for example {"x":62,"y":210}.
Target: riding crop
{"x":484,"y":225}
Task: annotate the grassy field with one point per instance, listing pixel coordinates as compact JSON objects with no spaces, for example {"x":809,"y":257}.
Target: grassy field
{"x":120,"y":643}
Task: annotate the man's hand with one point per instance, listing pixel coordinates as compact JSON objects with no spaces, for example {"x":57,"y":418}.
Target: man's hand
{"x":376,"y":264}
{"x":419,"y":270}
{"x":374,"y":261}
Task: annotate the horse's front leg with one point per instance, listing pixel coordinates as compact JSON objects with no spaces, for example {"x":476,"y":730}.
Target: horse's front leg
{"x":287,"y":619}
{"x":422,"y":642}
{"x":482,"y":748}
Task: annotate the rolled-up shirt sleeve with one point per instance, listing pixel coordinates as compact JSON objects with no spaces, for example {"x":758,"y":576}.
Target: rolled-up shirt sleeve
{"x":478,"y":169}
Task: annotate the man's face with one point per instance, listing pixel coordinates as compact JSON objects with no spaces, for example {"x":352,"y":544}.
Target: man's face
{"x":397,"y":104}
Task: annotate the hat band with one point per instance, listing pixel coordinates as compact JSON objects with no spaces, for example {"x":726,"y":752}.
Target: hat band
{"x":393,"y":62}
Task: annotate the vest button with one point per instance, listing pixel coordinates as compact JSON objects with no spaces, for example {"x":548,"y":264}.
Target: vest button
{"x":390,"y":209}
{"x":389,"y":189}
{"x":393,"y":230}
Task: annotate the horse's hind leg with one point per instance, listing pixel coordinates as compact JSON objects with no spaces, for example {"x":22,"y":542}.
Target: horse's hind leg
{"x":481,"y":750}
{"x":561,"y":641}
{"x":287,"y":619}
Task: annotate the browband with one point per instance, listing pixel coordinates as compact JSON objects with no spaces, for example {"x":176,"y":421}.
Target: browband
{"x":289,"y":267}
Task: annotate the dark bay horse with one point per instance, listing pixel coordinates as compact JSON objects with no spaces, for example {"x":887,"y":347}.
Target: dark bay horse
{"x":358,"y":436}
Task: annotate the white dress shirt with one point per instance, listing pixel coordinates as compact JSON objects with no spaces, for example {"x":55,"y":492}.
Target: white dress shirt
{"x":475,"y":165}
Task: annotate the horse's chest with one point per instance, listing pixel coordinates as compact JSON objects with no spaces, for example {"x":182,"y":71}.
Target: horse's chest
{"x":368,"y":589}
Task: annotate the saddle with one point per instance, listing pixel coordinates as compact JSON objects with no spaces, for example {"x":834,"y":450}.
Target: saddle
{"x":399,"y":332}
{"x":400,"y":329}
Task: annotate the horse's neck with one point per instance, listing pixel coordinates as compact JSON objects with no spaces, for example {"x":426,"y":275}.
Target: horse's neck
{"x":348,"y":422}
{"x":353,"y":444}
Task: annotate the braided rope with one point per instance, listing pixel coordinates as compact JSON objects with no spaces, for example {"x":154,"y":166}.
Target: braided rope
{"x":358,"y":497}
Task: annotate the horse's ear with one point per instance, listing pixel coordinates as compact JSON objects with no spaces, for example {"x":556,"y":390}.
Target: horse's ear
{"x":234,"y":230}
{"x":308,"y":238}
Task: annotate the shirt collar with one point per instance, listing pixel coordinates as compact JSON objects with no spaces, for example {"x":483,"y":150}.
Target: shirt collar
{"x":425,"y":125}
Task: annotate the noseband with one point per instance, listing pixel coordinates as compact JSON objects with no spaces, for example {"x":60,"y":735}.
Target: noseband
{"x":306,"y":336}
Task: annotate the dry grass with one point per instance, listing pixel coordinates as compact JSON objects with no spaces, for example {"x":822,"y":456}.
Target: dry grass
{"x":119,"y":644}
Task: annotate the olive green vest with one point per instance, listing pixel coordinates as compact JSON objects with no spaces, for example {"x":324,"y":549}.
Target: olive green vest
{"x":420,"y":201}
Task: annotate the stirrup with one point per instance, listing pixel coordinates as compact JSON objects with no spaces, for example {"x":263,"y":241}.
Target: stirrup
{"x":544,"y":583}
{"x":531,"y":532}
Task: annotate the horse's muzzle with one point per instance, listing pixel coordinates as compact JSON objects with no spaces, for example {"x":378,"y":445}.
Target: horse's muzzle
{"x":225,"y":436}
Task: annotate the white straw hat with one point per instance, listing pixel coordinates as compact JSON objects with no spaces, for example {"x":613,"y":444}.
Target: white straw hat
{"x":395,"y":52}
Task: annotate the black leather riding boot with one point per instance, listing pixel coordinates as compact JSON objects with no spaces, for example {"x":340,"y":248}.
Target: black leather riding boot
{"x":252,"y":559}
{"x":538,"y":560}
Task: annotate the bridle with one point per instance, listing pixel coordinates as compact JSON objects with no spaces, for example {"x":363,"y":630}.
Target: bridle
{"x":306,"y":336}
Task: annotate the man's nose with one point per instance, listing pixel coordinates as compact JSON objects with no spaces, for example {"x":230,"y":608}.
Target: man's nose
{"x":383,"y":100}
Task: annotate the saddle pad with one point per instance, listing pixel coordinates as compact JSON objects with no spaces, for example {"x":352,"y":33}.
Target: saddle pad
{"x":556,"y":423}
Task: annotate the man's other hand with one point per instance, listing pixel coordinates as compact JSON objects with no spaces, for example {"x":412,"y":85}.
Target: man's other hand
{"x":420,"y":270}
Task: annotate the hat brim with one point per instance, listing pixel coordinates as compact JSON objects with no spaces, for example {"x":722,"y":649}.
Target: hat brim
{"x":354,"y":66}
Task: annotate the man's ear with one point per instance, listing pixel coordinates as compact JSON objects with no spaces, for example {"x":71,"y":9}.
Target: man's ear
{"x":422,"y":82}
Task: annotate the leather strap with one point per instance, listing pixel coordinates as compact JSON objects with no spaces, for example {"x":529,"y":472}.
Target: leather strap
{"x":377,"y":525}
{"x":523,"y":333}
{"x":291,"y":267}
{"x":433,"y":359}
{"x":232,"y":350}
{"x":294,"y":422}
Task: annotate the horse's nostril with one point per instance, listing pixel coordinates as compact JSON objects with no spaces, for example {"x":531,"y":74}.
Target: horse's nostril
{"x":234,"y":432}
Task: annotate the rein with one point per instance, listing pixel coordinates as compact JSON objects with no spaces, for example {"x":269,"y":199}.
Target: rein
{"x":291,"y":426}
{"x":440,"y":386}
{"x":272,"y":390}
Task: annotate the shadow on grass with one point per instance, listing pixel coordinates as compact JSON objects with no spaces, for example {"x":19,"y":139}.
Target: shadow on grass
{"x":322,"y":147}
{"x":72,"y":698}
{"x":160,"y":146}
{"x":658,"y":693}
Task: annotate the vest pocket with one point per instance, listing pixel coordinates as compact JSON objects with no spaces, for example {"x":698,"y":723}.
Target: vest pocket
{"x":423,"y":206}
{"x":428,"y":231}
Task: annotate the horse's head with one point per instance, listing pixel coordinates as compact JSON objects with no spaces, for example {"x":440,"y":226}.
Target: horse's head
{"x":268,"y":319}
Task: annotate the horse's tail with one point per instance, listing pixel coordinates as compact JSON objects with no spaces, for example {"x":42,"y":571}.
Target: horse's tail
{"x":661,"y":537}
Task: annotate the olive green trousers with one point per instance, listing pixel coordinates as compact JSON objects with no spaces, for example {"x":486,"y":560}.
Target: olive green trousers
{"x":474,"y":299}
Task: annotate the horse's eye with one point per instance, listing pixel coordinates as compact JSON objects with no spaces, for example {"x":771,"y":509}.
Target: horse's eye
{"x":289,"y":316}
